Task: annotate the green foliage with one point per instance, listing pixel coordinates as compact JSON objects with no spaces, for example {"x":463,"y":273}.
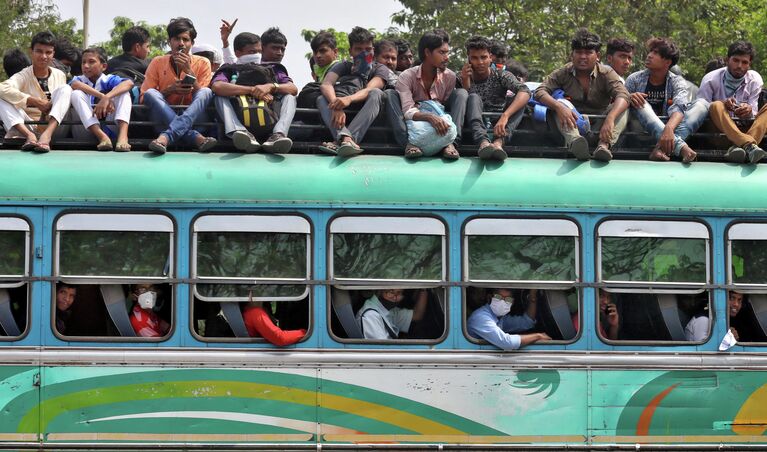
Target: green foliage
{"x":100,"y":253}
{"x":653,"y":259}
{"x":157,"y":37}
{"x":387,"y":256}
{"x":753,"y":256}
{"x":22,"y":19}
{"x":538,"y":32}
{"x":521,"y":258}
{"x":13,"y":250}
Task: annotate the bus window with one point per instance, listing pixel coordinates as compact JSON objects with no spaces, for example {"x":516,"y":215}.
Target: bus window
{"x":653,"y":275}
{"x":14,"y":268}
{"x":747,"y":271}
{"x":112,"y":273}
{"x":533,"y":264}
{"x":388,"y":275}
{"x":251,"y":274}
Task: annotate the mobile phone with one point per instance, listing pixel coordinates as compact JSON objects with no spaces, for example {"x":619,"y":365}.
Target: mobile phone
{"x":188,"y":80}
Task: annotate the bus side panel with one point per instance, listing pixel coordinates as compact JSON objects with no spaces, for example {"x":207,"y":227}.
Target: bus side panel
{"x":19,"y":399}
{"x":449,"y":406}
{"x":167,"y":405}
{"x":679,"y":407}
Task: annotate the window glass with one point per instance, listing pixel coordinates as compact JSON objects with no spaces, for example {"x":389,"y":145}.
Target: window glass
{"x":749,"y":261}
{"x":653,"y":259}
{"x":387,"y":256}
{"x":114,"y":253}
{"x":13,"y":249}
{"x":521,"y":258}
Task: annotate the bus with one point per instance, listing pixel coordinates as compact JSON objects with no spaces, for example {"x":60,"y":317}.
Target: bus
{"x":311,"y":237}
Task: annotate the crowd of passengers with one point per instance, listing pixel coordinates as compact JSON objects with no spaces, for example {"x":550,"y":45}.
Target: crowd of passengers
{"x":426,"y":104}
{"x":506,"y":318}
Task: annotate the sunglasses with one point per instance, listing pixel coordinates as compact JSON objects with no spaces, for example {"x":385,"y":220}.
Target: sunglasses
{"x":509,"y":300}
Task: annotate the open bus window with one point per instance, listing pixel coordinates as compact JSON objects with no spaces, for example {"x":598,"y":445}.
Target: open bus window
{"x":531,"y":262}
{"x":112,"y":276}
{"x":747,"y":271}
{"x":252,"y":273}
{"x":388,"y":275}
{"x":14,"y":268}
{"x":654,"y":273}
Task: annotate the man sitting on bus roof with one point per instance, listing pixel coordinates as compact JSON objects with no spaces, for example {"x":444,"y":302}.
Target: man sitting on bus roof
{"x":361,"y":82}
{"x":37,"y":93}
{"x":178,"y":78}
{"x":382,"y":318}
{"x":591,"y":88}
{"x":245,"y":43}
{"x":656,"y":91}
{"x":493,"y":323}
{"x":133,"y":62}
{"x":620,"y":54}
{"x":733,"y":92}
{"x":487,"y":87}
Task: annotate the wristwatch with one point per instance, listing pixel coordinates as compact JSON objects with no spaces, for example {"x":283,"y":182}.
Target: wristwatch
{"x":276,"y":86}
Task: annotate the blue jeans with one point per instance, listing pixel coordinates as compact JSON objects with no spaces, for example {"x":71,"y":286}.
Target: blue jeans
{"x":694,"y":116}
{"x":179,"y":127}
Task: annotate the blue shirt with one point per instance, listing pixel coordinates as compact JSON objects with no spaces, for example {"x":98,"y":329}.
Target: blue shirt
{"x":676,"y":90}
{"x":104,"y":84}
{"x":488,"y":326}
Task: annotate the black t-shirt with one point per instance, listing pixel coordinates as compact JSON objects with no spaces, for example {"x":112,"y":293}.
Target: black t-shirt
{"x":44,"y":85}
{"x":343,"y":68}
{"x":127,"y":66}
{"x":656,"y":96}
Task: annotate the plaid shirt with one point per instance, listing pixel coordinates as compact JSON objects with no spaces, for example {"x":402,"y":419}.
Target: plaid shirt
{"x":676,"y":90}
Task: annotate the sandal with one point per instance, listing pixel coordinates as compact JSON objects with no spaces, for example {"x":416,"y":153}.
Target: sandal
{"x":105,"y":145}
{"x":157,"y":147}
{"x":122,"y":147}
{"x":42,"y":148}
{"x":29,"y":145}
{"x":348,"y":149}
{"x":450,"y":152}
{"x":207,"y":144}
{"x":413,"y":152}
{"x":329,"y":147}
{"x":657,"y":155}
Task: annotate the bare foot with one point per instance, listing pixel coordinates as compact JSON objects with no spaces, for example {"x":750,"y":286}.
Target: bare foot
{"x":687,"y":154}
{"x":658,"y":155}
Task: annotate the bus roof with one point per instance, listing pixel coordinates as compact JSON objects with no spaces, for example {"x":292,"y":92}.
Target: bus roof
{"x":85,"y":176}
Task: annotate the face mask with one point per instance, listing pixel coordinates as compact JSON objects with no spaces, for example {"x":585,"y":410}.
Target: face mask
{"x":500,"y":307}
{"x":250,"y":58}
{"x":147,"y":300}
{"x":363,"y":64}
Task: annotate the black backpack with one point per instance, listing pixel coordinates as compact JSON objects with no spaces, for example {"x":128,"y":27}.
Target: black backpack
{"x":256,"y":115}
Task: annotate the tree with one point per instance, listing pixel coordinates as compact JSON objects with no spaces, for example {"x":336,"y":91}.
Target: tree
{"x":538,"y":32}
{"x":22,"y":19}
{"x":158,"y":37}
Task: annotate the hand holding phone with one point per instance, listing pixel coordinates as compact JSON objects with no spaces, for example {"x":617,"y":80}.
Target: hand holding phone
{"x":189,"y":80}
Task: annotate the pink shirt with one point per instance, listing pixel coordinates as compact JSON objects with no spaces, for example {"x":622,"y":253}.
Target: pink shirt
{"x":411,"y":90}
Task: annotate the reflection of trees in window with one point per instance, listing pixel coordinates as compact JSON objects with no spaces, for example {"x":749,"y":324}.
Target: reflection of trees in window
{"x":387,"y":256}
{"x":251,"y":255}
{"x":522,"y":258}
{"x":653,"y":259}
{"x":749,"y":261}
{"x":13,"y":251}
{"x":102,"y":253}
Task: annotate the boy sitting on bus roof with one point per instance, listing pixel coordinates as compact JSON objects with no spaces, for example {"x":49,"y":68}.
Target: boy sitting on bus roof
{"x":382,"y":318}
{"x":143,"y":319}
{"x":98,"y":96}
{"x":245,"y":43}
{"x":280,"y":95}
{"x":133,"y":62}
{"x":487,"y":87}
{"x":620,"y":54}
{"x":404,"y":56}
{"x":14,"y":61}
{"x":590,"y":88}
{"x":493,"y":323}
{"x":733,"y":92}
{"x":37,"y":93}
{"x":656,"y":91}
{"x":178,"y":78}
{"x":431,"y":80}
{"x":361,"y":82}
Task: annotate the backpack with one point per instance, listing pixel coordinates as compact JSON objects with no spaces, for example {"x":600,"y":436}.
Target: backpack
{"x":256,"y":115}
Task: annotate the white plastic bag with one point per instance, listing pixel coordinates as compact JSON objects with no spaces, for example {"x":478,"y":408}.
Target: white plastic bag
{"x":423,"y":134}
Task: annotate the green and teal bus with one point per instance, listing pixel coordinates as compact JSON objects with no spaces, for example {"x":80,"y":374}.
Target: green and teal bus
{"x":312,"y":237}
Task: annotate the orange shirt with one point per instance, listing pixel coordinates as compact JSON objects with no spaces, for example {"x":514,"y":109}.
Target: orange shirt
{"x":160,"y":75}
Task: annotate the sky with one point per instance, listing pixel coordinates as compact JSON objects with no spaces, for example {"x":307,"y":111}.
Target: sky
{"x":207,"y":15}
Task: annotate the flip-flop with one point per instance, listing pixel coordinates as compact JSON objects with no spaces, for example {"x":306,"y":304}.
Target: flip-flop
{"x":157,"y":147}
{"x":329,"y":147}
{"x":42,"y":148}
{"x":348,"y":149}
{"x":207,"y":144}
{"x":29,"y":145}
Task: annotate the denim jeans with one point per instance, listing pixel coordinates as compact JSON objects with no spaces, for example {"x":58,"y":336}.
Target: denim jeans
{"x":227,"y":115}
{"x":477,"y":123}
{"x":456,"y":106}
{"x":694,"y":116}
{"x":359,"y":126}
{"x":179,"y":127}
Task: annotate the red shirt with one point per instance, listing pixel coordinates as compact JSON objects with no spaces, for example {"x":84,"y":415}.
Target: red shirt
{"x":258,"y":323}
{"x":146,"y":323}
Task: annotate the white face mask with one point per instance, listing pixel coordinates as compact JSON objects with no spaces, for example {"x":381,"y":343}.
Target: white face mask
{"x":500,"y":307}
{"x":250,"y":58}
{"x":147,"y":300}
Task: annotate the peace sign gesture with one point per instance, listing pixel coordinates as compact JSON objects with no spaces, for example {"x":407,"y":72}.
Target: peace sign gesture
{"x":226,"y":30}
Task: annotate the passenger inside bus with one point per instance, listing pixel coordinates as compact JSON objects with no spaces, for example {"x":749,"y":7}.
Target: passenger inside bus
{"x":383,"y":317}
{"x":494,"y":323}
{"x":661,"y":317}
{"x":744,"y":322}
{"x":65,"y":298}
{"x":609,"y":320}
{"x":697,"y":327}
{"x":143,"y":318}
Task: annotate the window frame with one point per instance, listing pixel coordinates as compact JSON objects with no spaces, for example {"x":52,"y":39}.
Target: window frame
{"x":750,"y":288}
{"x":568,"y":226}
{"x":14,"y":222}
{"x":349,"y":284}
{"x":650,"y":287}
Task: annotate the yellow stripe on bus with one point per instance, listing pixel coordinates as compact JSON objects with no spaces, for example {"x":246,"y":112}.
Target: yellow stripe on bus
{"x":456,"y":439}
{"x":173,"y":437}
{"x":751,"y":418}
